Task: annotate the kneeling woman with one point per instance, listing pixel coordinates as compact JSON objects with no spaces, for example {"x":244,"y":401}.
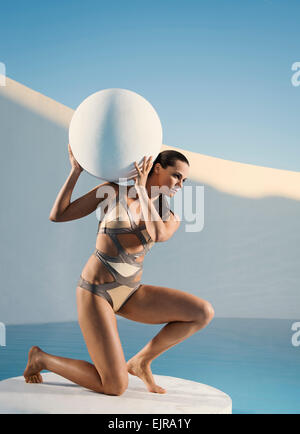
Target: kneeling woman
{"x":110,"y":281}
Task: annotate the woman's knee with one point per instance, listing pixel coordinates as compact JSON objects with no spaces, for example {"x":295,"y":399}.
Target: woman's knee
{"x":115,"y":384}
{"x":205,"y":312}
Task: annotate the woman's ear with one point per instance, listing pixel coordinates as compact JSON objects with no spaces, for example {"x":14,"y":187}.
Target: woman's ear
{"x":157,"y":168}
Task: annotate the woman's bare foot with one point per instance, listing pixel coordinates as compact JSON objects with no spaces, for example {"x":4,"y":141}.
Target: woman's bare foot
{"x":137,"y":367}
{"x":34,"y":366}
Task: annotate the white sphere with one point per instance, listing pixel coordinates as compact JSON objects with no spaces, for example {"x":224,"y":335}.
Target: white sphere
{"x":110,"y":130}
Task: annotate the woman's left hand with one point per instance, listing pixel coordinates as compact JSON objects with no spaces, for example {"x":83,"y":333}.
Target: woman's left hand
{"x":142,"y":174}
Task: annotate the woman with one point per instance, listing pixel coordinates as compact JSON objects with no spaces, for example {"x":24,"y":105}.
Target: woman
{"x":110,"y":281}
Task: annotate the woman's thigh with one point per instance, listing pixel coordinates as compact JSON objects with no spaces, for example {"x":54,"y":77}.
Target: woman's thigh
{"x":98,"y":324}
{"x":157,"y":305}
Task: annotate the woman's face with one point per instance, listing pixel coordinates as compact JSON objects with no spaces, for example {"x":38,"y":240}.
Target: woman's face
{"x":172,"y":177}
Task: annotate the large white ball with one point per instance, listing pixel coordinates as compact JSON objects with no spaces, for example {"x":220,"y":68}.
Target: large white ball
{"x":111,"y":129}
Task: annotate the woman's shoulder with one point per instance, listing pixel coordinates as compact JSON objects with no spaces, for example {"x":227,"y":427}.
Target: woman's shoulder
{"x":107,"y":190}
{"x":109,"y":184}
{"x":112,"y":184}
{"x":126,"y":191}
{"x":118,"y":186}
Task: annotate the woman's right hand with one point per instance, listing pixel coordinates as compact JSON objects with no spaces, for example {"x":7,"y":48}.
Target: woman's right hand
{"x":74,"y":163}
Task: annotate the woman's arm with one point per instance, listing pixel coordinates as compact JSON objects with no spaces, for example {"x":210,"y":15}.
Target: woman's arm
{"x":64,"y":196}
{"x":84,"y":205}
{"x":63,"y":209}
{"x":158,"y":230}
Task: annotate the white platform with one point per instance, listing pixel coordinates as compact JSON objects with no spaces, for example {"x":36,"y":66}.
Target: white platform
{"x":58,"y":395}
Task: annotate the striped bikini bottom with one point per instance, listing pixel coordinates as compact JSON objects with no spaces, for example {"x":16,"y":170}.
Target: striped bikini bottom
{"x":124,"y":286}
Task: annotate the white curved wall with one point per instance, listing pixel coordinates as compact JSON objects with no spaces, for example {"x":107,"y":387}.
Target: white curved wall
{"x":245,"y":260}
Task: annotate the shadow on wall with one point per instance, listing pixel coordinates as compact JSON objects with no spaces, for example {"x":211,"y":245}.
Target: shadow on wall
{"x":244,"y":261}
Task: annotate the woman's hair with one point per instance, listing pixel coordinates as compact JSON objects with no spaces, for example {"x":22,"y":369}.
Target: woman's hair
{"x":168,"y":158}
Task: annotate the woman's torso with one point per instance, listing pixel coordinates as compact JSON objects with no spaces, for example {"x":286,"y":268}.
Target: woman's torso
{"x":94,"y":270}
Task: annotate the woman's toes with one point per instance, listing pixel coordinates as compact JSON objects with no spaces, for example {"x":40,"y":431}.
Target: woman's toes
{"x":40,"y":378}
{"x":162,"y":390}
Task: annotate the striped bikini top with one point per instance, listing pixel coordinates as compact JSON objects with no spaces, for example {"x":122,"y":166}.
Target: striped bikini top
{"x":119,"y":220}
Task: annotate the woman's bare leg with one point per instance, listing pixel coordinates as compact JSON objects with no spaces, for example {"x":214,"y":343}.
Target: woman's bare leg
{"x":78,"y":371}
{"x":108,"y":373}
{"x":184,"y":313}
